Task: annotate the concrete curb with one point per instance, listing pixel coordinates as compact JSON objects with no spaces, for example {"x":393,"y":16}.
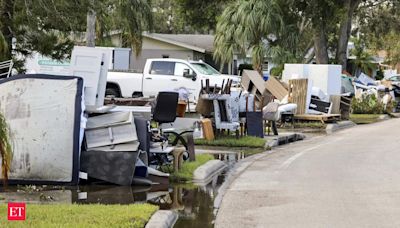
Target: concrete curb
{"x":384,"y":117}
{"x":331,"y":128}
{"x":162,"y":219}
{"x":206,"y":171}
{"x":284,"y":139}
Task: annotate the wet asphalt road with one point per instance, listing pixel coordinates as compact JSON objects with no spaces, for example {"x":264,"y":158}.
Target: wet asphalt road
{"x":348,"y":179}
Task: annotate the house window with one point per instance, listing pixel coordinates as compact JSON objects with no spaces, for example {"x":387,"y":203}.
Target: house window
{"x":165,"y":56}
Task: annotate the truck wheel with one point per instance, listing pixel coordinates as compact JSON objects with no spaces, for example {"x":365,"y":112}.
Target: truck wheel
{"x":112,"y":92}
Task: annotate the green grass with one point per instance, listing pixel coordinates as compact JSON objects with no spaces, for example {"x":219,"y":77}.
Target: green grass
{"x":246,"y":141}
{"x":88,"y":215}
{"x":364,"y":118}
{"x":185,"y":174}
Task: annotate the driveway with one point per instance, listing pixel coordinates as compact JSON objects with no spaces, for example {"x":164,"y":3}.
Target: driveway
{"x":348,"y":179}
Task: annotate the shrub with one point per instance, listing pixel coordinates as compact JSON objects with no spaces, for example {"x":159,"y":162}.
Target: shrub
{"x":368,"y":104}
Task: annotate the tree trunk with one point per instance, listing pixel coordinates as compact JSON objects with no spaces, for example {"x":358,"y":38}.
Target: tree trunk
{"x":7,"y":17}
{"x":344,"y":32}
{"x":321,"y":45}
{"x":91,"y":28}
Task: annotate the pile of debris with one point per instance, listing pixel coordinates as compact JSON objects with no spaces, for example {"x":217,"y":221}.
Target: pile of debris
{"x":63,"y":133}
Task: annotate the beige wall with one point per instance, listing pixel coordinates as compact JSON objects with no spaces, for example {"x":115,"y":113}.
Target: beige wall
{"x":151,"y":44}
{"x":156,"y":49}
{"x":137,"y":63}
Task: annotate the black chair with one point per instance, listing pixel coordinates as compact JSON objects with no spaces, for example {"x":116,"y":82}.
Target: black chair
{"x":165,"y":112}
{"x":165,"y":109}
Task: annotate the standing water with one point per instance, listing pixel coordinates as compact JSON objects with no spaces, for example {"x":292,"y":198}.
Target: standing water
{"x":193,"y":203}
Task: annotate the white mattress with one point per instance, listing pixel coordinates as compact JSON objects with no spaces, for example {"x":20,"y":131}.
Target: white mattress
{"x":44,"y":114}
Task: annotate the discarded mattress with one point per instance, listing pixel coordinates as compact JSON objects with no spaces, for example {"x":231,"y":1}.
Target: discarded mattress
{"x":44,"y":114}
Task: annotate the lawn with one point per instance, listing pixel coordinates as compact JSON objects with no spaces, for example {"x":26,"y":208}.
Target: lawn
{"x":364,"y":118}
{"x":185,"y":174}
{"x":246,"y":141}
{"x":75,"y":215}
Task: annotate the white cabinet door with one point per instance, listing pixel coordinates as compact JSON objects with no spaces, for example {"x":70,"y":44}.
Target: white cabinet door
{"x":92,"y":65}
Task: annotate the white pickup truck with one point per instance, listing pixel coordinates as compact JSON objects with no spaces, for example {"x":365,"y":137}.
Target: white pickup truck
{"x":165,"y":75}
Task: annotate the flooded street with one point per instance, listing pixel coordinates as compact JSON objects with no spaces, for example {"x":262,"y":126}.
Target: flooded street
{"x":192,"y":202}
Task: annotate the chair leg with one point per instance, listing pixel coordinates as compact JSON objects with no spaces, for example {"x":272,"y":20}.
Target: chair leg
{"x":274,"y":129}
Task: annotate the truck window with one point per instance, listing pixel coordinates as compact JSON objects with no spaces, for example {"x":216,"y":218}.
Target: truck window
{"x":180,"y":67}
{"x":164,"y":68}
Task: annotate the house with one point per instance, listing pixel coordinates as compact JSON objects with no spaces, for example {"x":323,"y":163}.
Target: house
{"x":181,"y":46}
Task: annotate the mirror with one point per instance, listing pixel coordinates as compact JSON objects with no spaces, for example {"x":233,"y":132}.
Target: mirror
{"x":186,"y":74}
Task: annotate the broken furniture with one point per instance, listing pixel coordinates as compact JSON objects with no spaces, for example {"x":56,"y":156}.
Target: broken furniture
{"x":223,"y":113}
{"x":117,"y":167}
{"x":286,"y":113}
{"x":112,"y":132}
{"x":5,"y":68}
{"x":255,"y":85}
{"x":207,"y":129}
{"x":164,"y":114}
{"x":124,"y":163}
{"x":270,"y":116}
{"x":299,"y":94}
{"x":254,"y":124}
{"x":323,"y":118}
{"x":45,"y":114}
{"x":178,"y":157}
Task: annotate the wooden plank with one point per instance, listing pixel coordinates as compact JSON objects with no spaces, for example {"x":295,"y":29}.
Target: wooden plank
{"x":323,"y":117}
{"x":276,"y":88}
{"x":298,"y":94}
{"x":335,"y":100}
{"x":254,"y":84}
{"x":255,"y":78}
{"x":207,"y":129}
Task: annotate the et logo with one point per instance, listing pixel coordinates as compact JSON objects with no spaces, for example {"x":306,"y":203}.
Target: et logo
{"x":16,"y":211}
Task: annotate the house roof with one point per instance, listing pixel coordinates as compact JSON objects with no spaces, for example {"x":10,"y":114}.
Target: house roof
{"x":197,"y":42}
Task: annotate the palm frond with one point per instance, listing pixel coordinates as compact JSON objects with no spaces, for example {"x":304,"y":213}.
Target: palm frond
{"x":5,"y":149}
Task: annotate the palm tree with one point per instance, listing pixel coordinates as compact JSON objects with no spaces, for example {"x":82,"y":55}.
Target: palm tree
{"x":363,"y":61}
{"x":267,"y":29}
{"x":245,"y":25}
{"x":131,"y":17}
{"x":5,"y":149}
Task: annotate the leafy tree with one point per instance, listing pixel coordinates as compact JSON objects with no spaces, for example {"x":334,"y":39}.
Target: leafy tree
{"x":324,"y":16}
{"x":168,"y":18}
{"x":130,"y":17}
{"x":29,"y":26}
{"x":380,"y":25}
{"x":201,"y":15}
{"x":349,"y":8}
